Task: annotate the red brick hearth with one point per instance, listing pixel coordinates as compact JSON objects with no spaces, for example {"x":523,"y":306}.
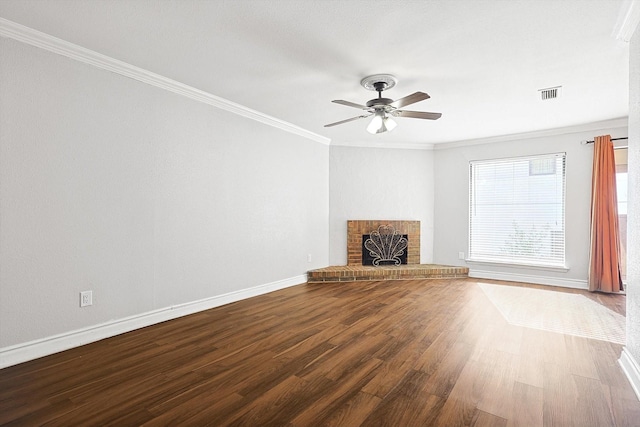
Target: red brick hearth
{"x":350,"y":273}
{"x":354,"y":270}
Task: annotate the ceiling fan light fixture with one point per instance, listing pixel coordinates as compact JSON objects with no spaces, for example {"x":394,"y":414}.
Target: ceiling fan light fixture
{"x":389,"y":123}
{"x":376,"y":124}
{"x":381,"y":123}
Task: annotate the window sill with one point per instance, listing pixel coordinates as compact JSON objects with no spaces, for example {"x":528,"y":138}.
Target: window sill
{"x":562,"y":269}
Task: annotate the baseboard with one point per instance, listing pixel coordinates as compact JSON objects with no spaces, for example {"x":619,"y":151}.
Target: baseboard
{"x":631,"y":370}
{"x":43,"y":347}
{"x":526,"y":278}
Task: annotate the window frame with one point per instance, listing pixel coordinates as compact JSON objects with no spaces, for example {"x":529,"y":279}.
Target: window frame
{"x":557,"y":262}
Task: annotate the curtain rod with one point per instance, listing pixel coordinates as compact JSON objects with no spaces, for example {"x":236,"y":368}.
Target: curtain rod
{"x":613,"y":139}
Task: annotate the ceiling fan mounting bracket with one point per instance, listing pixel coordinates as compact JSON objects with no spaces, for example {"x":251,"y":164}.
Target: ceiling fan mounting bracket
{"x":379,"y":82}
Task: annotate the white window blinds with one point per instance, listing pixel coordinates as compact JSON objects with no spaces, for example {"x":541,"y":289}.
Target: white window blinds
{"x":517,"y":210}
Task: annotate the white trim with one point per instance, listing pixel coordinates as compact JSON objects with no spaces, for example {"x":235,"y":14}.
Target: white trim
{"x":526,"y":278}
{"x":628,"y":20}
{"x":19,"y":353}
{"x":619,"y":125}
{"x":621,"y":122}
{"x":631,"y":370}
{"x":44,"y":41}
{"x":387,"y":144}
{"x":563,"y":268}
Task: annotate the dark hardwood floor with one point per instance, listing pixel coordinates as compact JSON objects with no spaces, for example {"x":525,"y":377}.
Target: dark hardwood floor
{"x":394,"y":353}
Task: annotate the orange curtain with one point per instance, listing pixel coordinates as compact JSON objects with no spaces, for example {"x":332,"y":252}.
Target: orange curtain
{"x":604,"y":255}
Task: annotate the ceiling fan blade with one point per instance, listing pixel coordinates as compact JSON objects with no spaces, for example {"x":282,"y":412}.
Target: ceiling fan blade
{"x":410,"y":99}
{"x":416,"y":114}
{"x":348,"y":120}
{"x":350,"y":104}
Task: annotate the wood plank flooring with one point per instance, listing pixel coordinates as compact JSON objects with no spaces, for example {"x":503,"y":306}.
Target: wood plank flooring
{"x":393,"y":353}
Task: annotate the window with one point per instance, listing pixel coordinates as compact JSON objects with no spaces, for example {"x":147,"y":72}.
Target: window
{"x":621,"y":156}
{"x":517,"y":210}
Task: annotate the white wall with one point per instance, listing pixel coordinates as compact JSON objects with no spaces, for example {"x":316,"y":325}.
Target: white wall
{"x":380,"y":183}
{"x":147,"y":198}
{"x":452,"y":201}
{"x":632,"y":349}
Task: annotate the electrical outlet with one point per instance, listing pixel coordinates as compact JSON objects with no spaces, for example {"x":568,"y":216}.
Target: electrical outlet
{"x":460,"y":255}
{"x":86,"y":298}
{"x":308,"y":257}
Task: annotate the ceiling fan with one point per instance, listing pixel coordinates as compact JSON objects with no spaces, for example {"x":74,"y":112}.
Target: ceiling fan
{"x":383,"y":109}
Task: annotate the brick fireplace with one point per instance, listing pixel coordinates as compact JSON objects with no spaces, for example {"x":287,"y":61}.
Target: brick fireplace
{"x":356,"y":229}
{"x":356,"y":271}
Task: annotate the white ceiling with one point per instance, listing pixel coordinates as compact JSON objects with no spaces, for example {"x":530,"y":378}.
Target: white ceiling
{"x":482,"y":62}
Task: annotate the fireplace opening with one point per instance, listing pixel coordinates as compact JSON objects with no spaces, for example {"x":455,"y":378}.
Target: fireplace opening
{"x":384,"y":246}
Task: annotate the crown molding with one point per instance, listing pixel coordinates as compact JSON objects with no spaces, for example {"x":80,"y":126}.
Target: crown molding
{"x":621,"y":123}
{"x":13,"y":30}
{"x":628,"y":20}
{"x":395,"y":145}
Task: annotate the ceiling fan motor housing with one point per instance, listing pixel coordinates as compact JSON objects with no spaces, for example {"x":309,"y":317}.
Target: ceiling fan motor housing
{"x":379,"y":102}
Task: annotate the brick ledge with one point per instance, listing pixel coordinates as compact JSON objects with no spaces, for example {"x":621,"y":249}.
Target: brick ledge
{"x":350,"y":273}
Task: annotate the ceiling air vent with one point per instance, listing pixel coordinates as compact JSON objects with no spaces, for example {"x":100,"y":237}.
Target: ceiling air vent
{"x":550,"y":93}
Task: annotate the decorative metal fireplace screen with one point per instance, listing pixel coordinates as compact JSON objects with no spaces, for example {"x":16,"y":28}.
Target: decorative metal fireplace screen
{"x":384,"y":246}
{"x":407,"y":229}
